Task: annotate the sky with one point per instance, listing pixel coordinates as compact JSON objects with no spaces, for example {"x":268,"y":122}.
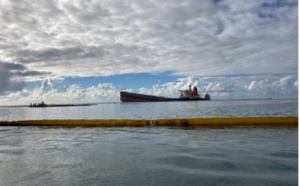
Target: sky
{"x":67,"y":51}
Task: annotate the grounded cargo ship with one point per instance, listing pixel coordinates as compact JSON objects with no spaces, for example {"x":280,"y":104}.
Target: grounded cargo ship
{"x":186,"y":95}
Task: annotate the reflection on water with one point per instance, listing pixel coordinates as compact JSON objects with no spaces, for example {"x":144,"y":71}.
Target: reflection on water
{"x":148,"y":156}
{"x":157,"y":110}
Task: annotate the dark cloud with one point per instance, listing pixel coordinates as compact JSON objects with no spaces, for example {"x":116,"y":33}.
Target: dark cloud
{"x":12,"y":74}
{"x":60,"y":55}
{"x":29,"y":73}
{"x":6,"y":84}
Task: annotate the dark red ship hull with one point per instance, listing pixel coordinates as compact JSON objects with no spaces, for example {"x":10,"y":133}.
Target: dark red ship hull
{"x":134,"y":97}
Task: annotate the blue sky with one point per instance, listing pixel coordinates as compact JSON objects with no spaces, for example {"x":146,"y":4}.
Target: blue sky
{"x":123,"y":81}
{"x":82,"y":51}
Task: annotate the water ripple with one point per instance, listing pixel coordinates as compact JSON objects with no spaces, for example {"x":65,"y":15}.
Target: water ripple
{"x":152,"y":156}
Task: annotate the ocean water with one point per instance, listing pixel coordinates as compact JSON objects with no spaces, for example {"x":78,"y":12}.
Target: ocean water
{"x":150,"y":155}
{"x":157,"y":110}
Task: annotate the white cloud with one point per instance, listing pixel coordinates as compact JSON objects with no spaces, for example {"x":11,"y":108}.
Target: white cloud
{"x":80,"y":38}
{"x":99,"y":38}
{"x":217,"y":87}
{"x":285,"y":82}
{"x":49,"y":82}
{"x":232,"y":87}
{"x":73,"y":94}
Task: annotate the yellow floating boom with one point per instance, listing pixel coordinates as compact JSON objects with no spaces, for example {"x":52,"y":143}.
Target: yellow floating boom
{"x":266,"y":121}
{"x":194,"y":122}
{"x":78,"y":123}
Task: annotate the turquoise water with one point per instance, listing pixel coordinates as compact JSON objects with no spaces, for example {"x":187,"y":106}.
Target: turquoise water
{"x":150,"y":155}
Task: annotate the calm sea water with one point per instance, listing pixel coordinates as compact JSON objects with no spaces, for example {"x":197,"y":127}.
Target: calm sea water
{"x":150,"y":155}
{"x":157,"y":110}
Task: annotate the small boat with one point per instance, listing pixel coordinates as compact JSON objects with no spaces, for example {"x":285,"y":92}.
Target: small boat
{"x":185,"y":95}
{"x":42,"y":104}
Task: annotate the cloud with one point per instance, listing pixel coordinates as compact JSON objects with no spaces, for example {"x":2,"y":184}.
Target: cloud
{"x":190,"y":38}
{"x":49,"y":82}
{"x":232,"y":87}
{"x":100,"y":38}
{"x":219,"y":88}
{"x":11,"y":74}
{"x":6,"y":84}
{"x":285,"y":82}
{"x":105,"y":92}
